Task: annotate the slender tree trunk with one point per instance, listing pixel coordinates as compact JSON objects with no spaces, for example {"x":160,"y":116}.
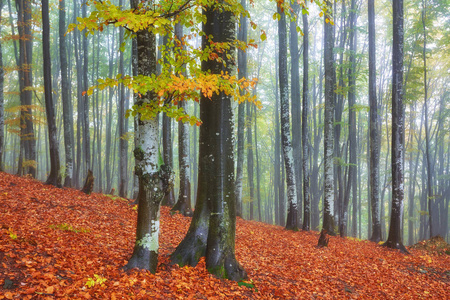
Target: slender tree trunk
{"x":250,"y":167}
{"x":86,"y":128}
{"x":374,"y":138}
{"x":398,"y":130}
{"x":54,"y":177}
{"x":67,"y":107}
{"x":296,"y":109}
{"x":291,"y":222}
{"x":242,"y":73}
{"x":305,"y":133}
{"x":123,"y":144}
{"x":184,"y":196}
{"x":427,"y":134}
{"x":28,"y":140}
{"x":328,"y":203}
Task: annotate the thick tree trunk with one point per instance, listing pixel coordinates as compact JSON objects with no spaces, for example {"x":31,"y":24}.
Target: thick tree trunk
{"x":328,"y":201}
{"x":291,"y":222}
{"x":394,"y":239}
{"x":153,"y":178}
{"x":54,"y":177}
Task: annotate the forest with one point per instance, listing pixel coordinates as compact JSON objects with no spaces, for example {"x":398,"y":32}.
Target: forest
{"x":211,"y":122}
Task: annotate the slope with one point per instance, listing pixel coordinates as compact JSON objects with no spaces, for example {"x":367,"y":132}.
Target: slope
{"x":62,"y":244}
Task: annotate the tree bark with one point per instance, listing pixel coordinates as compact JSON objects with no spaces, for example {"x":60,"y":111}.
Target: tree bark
{"x":291,"y":222}
{"x":305,"y":134}
{"x":183,"y":204}
{"x":27,"y":137}
{"x":2,"y":116}
{"x":67,"y":105}
{"x":242,"y":73}
{"x":54,"y":177}
{"x":153,"y":178}
{"x":328,"y":200}
{"x":394,"y":239}
{"x":374,"y":126}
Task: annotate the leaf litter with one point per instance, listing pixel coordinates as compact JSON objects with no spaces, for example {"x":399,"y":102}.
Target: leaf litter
{"x":63,"y":244}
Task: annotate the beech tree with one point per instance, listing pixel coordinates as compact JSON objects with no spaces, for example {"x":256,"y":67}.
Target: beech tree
{"x":394,"y":239}
{"x":291,"y":222}
{"x":2,"y":107}
{"x":161,"y":94}
{"x":27,"y":159}
{"x":373,"y":129}
{"x":328,"y":198}
{"x":54,"y":177}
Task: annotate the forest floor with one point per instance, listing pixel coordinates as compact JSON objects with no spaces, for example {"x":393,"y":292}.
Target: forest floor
{"x":60,"y":243}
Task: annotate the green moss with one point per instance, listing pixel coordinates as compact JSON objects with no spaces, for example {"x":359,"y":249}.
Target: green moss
{"x":218,"y":271}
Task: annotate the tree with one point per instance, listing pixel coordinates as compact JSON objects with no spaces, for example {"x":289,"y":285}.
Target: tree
{"x":373,"y":131}
{"x":184,"y":196}
{"x":27,"y":138}
{"x":220,"y":252}
{"x":54,"y":177}
{"x":351,"y":183}
{"x":242,"y":73}
{"x":305,"y":133}
{"x":328,"y":199}
{"x":291,"y":222}
{"x":394,"y":239}
{"x":123,"y":143}
{"x":161,"y":94}
{"x":67,"y":105}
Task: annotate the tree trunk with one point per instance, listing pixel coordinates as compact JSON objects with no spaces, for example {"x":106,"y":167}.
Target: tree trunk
{"x":54,"y":177}
{"x":328,"y":201}
{"x":242,"y":73}
{"x":305,"y":134}
{"x":123,"y":143}
{"x":296,"y":109}
{"x":183,"y":204}
{"x":394,"y":239}
{"x":153,"y":178}
{"x":27,"y":137}
{"x":291,"y":222}
{"x":374,"y":138}
{"x":250,"y":167}
{"x":67,"y":106}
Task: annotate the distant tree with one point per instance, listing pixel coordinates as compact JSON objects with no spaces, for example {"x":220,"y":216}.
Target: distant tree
{"x":374,"y":138}
{"x":394,"y":239}
{"x":242,"y":73}
{"x":27,"y":137}
{"x":54,"y":177}
{"x":183,"y":204}
{"x":66,"y":103}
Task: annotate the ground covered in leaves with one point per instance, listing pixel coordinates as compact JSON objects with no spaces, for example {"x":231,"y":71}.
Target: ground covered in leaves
{"x":60,"y":243}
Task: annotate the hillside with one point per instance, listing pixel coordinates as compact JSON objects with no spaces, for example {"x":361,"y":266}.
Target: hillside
{"x":60,"y":243}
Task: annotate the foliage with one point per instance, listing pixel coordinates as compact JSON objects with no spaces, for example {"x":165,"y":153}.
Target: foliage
{"x":46,"y":263}
{"x":178,"y":56}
